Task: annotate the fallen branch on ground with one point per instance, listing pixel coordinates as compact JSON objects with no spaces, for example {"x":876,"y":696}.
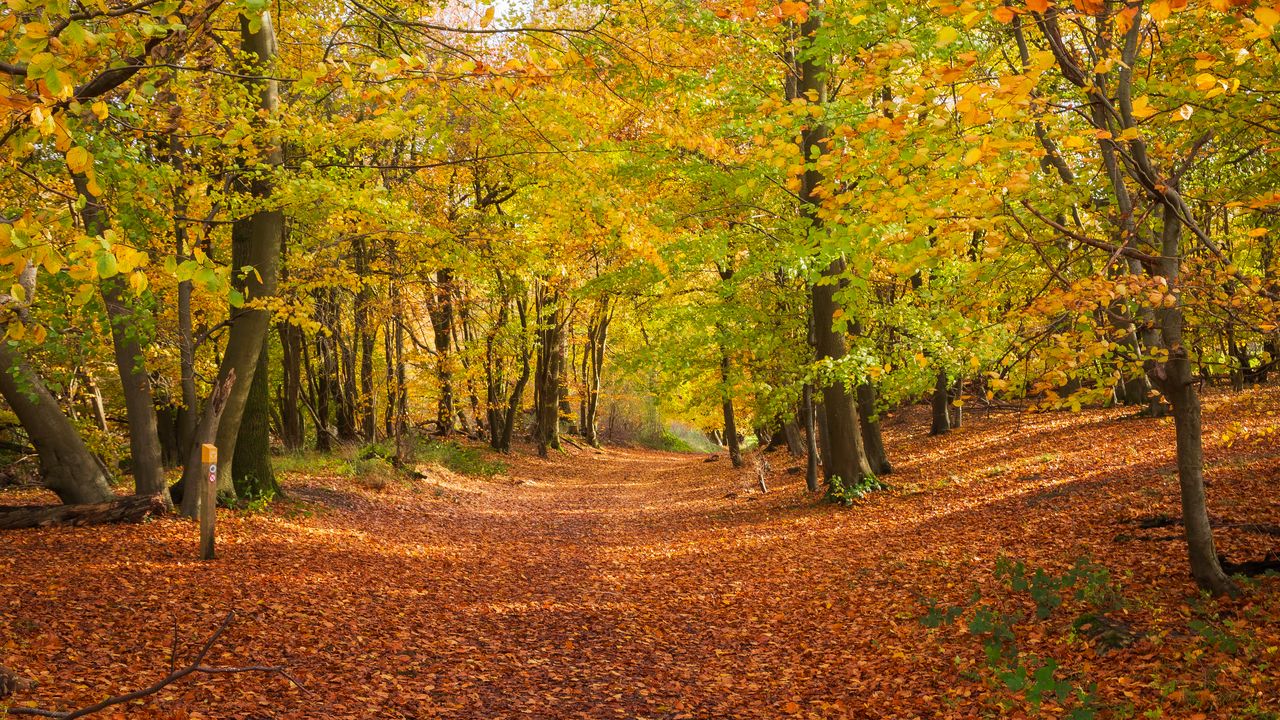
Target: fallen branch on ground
{"x":133,"y":509}
{"x":195,"y":667}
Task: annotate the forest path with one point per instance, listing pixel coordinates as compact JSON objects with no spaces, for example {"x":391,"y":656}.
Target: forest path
{"x":637,"y":584}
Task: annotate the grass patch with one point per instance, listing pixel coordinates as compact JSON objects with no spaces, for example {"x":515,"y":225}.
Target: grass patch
{"x":666,"y":440}
{"x":460,"y":458}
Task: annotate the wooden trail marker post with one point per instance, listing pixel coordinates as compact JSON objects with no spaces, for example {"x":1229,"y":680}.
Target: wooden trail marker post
{"x":208,"y":499}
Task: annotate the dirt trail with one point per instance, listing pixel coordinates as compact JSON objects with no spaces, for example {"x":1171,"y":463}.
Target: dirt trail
{"x":634,"y":584}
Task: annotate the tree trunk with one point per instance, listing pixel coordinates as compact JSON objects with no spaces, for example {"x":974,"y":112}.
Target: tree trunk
{"x":1175,"y":380}
{"x":794,"y":438}
{"x":366,"y":337}
{"x":251,"y":469}
{"x":844,"y":457}
{"x":939,"y":401}
{"x":441,"y":315}
{"x":546,"y":383}
{"x":132,"y":509}
{"x":292,"y":432}
{"x":811,"y":441}
{"x":730,"y":424}
{"x":66,"y":465}
{"x":870,"y":424}
{"x":127,"y":324}
{"x":255,"y":241}
{"x":189,"y":413}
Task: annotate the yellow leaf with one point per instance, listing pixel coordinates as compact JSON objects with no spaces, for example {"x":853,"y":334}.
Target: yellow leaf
{"x":488,"y":17}
{"x":1160,"y":10}
{"x":38,"y":334}
{"x":100,"y":110}
{"x":79,"y":160}
{"x":1205,"y":81}
{"x":1004,"y":14}
{"x":946,"y":36}
{"x":972,"y":157}
{"x":1142,"y":108}
{"x":1267,"y":17}
{"x":1038,"y":5}
{"x":1257,"y":232}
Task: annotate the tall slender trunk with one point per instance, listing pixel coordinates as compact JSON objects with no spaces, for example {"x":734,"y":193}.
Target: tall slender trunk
{"x":189,"y":413}
{"x":255,"y":241}
{"x":1177,"y":383}
{"x":546,"y":384}
{"x":441,"y":315}
{"x":366,"y":337}
{"x":845,"y":457}
{"x":593,"y":364}
{"x":127,"y":321}
{"x":811,"y":441}
{"x":726,"y":404}
{"x":291,"y":424}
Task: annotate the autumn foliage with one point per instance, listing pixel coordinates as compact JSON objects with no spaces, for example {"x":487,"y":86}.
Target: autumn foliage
{"x":380,"y":253}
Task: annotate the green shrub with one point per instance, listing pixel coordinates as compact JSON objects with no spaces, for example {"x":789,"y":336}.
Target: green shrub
{"x":1029,"y":677}
{"x":845,"y":493}
{"x":460,"y":458}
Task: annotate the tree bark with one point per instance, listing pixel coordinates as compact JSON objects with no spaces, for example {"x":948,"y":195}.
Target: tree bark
{"x":251,"y":470}
{"x":1177,"y":383}
{"x":872,"y":440}
{"x":811,"y":441}
{"x":938,"y":402}
{"x":255,"y":241}
{"x":441,"y":315}
{"x":127,"y":324}
{"x":730,"y":424}
{"x":66,"y":465}
{"x":291,"y":425}
{"x":845,"y":457}
{"x":132,"y":509}
{"x":546,"y":383}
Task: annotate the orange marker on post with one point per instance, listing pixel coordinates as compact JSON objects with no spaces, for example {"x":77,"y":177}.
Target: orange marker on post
{"x":208,"y":499}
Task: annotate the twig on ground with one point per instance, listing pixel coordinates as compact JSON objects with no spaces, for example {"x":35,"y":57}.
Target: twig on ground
{"x":195,"y":666}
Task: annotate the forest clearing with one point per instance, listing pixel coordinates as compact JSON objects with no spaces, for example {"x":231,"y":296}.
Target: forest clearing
{"x":640,"y":359}
{"x":641,"y":584}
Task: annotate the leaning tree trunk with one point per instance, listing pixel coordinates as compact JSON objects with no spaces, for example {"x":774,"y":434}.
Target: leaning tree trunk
{"x":255,"y":241}
{"x":66,"y":465}
{"x":251,"y":470}
{"x":126,"y":327}
{"x":845,"y":457}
